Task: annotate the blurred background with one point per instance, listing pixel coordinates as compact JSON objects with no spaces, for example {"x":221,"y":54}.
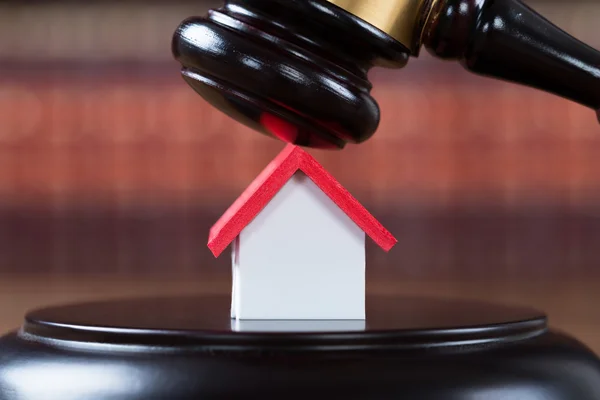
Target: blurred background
{"x":112,"y":170}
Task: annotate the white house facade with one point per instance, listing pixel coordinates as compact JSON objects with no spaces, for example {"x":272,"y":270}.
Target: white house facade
{"x":301,"y":258}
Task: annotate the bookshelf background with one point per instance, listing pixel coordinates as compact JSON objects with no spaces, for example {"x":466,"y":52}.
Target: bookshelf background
{"x":109,"y":163}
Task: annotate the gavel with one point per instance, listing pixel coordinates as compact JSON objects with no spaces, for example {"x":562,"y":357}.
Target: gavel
{"x":297,"y":70}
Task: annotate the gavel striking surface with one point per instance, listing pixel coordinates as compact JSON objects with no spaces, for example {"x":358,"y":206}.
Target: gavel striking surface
{"x":189,"y":348}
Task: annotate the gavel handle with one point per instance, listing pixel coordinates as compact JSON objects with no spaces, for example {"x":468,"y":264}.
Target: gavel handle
{"x":508,"y":40}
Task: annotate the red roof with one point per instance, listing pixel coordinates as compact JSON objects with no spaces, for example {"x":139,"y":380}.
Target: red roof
{"x":271,"y":180}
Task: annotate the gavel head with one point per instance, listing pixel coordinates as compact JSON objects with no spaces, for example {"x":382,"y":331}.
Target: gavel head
{"x":297,"y":69}
{"x":292,"y":69}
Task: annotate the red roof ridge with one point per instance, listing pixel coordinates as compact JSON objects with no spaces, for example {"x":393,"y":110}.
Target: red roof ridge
{"x":271,"y":180}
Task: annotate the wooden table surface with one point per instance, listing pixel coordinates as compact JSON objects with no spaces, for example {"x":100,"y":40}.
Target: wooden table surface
{"x":571,"y":306}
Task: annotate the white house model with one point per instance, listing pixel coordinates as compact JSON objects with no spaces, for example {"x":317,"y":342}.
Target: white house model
{"x":298,"y":244}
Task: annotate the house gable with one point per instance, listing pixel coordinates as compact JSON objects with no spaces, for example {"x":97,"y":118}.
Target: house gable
{"x":302,"y":212}
{"x":268,"y":184}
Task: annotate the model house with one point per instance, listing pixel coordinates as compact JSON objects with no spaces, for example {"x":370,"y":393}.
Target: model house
{"x":298,"y":248}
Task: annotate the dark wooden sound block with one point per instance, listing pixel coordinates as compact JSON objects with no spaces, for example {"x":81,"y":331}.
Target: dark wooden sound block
{"x":189,"y":348}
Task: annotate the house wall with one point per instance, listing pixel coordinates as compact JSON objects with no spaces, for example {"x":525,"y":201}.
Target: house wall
{"x":301,"y":258}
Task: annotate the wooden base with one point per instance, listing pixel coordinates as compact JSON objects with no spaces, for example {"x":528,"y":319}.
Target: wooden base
{"x":189,"y":348}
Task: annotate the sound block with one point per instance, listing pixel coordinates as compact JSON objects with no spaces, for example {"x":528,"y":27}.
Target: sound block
{"x":189,"y":348}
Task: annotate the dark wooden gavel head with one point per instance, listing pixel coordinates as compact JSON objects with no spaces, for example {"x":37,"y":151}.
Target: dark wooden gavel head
{"x":297,"y":69}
